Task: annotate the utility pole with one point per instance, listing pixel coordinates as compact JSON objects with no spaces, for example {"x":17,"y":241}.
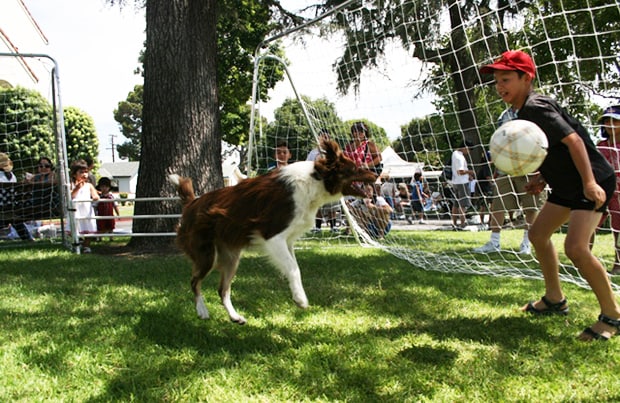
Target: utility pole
{"x":112,"y":147}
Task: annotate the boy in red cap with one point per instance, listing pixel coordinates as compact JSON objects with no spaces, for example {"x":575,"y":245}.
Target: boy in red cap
{"x":581,"y":182}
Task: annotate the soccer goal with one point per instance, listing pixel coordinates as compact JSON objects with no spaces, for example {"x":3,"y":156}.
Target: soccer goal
{"x":34,"y":193}
{"x":409,"y":70}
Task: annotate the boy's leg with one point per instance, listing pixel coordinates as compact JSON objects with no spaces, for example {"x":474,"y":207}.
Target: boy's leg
{"x":551,"y":217}
{"x":582,"y":225}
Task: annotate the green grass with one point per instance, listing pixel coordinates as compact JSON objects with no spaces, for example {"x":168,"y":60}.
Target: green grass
{"x":123,"y":328}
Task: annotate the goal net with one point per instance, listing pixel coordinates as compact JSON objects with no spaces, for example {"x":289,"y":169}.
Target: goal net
{"x":409,"y":71}
{"x":32,"y":149}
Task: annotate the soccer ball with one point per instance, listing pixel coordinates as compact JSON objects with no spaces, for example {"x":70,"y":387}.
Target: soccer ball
{"x":518,"y":147}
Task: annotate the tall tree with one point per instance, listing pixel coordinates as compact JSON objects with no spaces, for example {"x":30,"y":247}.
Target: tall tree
{"x":418,"y":26}
{"x":478,"y":30}
{"x":585,"y":48}
{"x":81,"y":135}
{"x":181,"y":117}
{"x":180,"y":123}
{"x":129,"y":116}
{"x":239,"y":31}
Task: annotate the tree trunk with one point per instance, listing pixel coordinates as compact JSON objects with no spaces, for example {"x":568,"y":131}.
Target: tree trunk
{"x":180,"y":132}
{"x":463,"y":73}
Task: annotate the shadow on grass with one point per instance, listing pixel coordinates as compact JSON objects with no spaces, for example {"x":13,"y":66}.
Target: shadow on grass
{"x":139,"y":312}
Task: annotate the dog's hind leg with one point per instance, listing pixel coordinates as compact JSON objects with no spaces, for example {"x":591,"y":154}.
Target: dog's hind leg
{"x":283,"y":257}
{"x":201,"y":268}
{"x":227,"y":263}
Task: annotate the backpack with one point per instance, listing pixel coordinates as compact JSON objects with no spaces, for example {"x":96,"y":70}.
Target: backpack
{"x":447,"y":169}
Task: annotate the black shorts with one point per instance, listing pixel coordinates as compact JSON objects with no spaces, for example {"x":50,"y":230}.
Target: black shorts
{"x":416,"y":206}
{"x":581,"y":203}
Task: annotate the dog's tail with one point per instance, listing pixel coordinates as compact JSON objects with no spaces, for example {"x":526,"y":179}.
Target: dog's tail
{"x":184,"y":188}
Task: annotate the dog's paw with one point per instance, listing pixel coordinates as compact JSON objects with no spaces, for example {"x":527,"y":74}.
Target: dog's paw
{"x":240,"y":320}
{"x":201,"y":309}
{"x":300,"y":298}
{"x":303,"y":304}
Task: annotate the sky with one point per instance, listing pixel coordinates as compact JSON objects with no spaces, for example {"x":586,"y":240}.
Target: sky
{"x":97,"y":47}
{"x":387,"y":94}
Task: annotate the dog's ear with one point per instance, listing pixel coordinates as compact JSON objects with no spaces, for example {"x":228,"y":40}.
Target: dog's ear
{"x":330,"y":150}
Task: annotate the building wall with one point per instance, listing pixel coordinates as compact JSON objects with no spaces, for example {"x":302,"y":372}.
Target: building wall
{"x":125,"y":185}
{"x":124,"y":172}
{"x":19,"y":33}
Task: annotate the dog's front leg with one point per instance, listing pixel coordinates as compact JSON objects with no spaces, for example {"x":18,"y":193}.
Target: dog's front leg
{"x":283,"y":258}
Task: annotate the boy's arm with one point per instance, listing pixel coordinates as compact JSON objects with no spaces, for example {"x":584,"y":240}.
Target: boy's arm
{"x":591,"y":190}
{"x":421,"y":194}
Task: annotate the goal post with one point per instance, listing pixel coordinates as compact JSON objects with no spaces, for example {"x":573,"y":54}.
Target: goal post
{"x":410,"y":71}
{"x":31,"y":128}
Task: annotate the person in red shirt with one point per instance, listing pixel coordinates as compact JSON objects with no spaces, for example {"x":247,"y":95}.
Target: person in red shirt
{"x":610,"y":148}
{"x":106,"y":225}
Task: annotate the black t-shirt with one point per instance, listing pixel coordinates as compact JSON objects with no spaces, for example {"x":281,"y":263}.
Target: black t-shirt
{"x":558,"y":168}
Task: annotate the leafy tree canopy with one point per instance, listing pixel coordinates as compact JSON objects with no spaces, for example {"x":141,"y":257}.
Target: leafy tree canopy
{"x":81,"y":135}
{"x":26,"y":127}
{"x":454,"y":60}
{"x":290,"y":125}
{"x":241,"y":28}
{"x":129,"y":116}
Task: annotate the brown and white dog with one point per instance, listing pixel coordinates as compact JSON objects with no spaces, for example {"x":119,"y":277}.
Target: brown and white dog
{"x":270,"y":211}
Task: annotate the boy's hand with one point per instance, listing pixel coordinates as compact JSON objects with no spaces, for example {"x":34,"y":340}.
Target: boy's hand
{"x":536,"y":185}
{"x":595,"y":193}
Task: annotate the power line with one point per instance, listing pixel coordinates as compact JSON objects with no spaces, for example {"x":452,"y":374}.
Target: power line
{"x":112,"y":147}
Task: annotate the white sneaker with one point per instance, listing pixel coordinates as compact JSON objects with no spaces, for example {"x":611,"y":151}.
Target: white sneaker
{"x":422,"y":222}
{"x":488,"y":247}
{"x":525,"y":249}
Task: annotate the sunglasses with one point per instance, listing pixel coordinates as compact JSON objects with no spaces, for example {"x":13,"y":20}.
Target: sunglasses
{"x":44,"y":166}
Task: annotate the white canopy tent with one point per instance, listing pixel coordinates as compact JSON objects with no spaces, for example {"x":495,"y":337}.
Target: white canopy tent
{"x":396,"y":167}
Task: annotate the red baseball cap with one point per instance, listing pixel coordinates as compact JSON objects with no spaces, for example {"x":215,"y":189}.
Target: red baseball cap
{"x":512,"y":60}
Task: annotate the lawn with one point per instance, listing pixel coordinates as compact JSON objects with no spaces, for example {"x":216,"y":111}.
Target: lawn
{"x":122,"y":327}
